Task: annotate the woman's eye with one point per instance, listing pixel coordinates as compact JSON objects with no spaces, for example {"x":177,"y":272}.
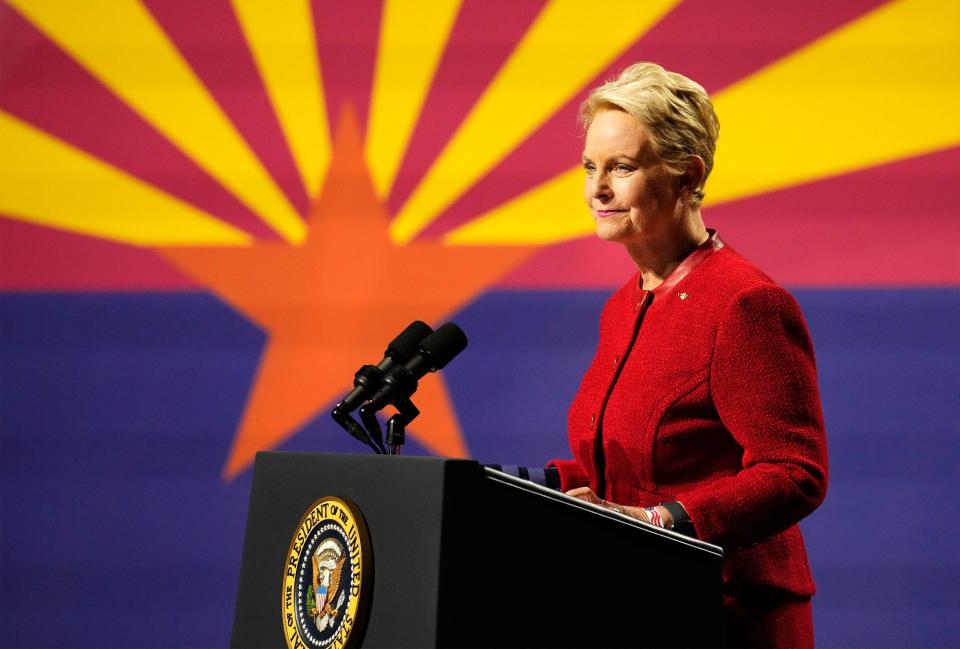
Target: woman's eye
{"x":622,"y":169}
{"x":589,"y":168}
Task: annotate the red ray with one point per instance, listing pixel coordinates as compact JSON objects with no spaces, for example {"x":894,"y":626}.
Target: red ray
{"x":719,"y":43}
{"x":483,"y":36}
{"x":34,"y":258}
{"x":43,"y":86}
{"x":891,"y":225}
{"x":209,"y":36}
{"x":752,"y":34}
{"x":894,"y":225}
{"x":348,"y":34}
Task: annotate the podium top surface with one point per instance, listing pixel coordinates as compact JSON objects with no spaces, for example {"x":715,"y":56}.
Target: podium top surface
{"x":570,"y":501}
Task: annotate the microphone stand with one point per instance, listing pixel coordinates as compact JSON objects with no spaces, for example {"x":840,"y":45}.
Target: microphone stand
{"x":396,"y":425}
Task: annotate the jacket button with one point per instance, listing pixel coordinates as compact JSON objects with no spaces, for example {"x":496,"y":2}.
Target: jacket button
{"x":593,"y":418}
{"x":616,"y":361}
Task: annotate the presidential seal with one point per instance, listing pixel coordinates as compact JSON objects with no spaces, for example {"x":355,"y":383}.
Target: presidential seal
{"x":326,"y":587}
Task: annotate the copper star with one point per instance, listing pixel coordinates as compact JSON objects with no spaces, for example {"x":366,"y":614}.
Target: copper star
{"x":332,"y":303}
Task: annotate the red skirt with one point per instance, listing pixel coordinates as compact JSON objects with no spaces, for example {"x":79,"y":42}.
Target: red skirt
{"x":771,"y":618}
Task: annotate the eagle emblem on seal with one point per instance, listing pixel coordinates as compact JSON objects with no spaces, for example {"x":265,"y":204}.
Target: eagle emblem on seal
{"x":328,"y":562}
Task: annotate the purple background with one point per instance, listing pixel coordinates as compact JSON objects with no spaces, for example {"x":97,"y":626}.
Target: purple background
{"x":117,"y":410}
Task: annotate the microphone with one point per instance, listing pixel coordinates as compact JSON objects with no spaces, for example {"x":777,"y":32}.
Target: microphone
{"x":433,"y":353}
{"x":400,"y":350}
{"x":369,"y":377}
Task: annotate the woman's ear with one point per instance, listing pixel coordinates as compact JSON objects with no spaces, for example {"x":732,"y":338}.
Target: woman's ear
{"x":694,"y":175}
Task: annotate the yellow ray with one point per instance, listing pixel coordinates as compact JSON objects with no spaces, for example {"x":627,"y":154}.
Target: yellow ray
{"x":281,"y":37}
{"x":48,"y":182}
{"x":413,"y":34}
{"x":884,"y":87}
{"x":121,"y":44}
{"x":565,"y":48}
{"x":551,"y":212}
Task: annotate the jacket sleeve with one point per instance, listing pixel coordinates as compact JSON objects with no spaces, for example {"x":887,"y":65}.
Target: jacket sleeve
{"x":571,"y":473}
{"x":763,"y":381}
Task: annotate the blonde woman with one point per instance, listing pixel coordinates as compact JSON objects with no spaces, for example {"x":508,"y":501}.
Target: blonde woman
{"x":701,"y":410}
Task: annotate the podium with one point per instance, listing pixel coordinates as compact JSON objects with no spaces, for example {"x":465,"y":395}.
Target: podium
{"x":460,"y":555}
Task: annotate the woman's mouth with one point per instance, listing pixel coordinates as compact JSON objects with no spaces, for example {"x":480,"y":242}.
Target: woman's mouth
{"x":602,"y":214}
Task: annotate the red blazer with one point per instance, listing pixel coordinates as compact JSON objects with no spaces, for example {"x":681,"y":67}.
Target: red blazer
{"x":704,"y":391}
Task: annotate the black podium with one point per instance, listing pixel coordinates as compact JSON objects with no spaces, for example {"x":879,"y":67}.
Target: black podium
{"x":465,"y":556}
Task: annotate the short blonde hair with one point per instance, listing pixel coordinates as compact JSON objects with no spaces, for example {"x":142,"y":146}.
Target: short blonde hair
{"x":676,"y":111}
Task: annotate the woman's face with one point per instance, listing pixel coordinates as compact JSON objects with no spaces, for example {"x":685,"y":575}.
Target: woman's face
{"x":629,"y":193}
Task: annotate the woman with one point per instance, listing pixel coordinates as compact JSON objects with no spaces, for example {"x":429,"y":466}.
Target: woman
{"x":700,"y":411}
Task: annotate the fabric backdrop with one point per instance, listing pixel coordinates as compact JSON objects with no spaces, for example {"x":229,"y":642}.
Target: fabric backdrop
{"x":211,"y":214}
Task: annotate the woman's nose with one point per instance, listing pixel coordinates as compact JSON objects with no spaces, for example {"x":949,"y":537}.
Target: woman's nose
{"x":600,"y":187}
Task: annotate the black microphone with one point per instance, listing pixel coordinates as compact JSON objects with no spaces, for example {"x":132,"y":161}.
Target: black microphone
{"x":369,"y":377}
{"x":400,"y":350}
{"x":433,"y":353}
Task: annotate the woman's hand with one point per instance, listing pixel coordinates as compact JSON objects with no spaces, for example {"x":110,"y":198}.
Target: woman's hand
{"x":639,"y":513}
{"x":587,"y":494}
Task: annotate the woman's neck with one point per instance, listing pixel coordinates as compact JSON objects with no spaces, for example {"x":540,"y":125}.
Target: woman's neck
{"x":657,"y":255}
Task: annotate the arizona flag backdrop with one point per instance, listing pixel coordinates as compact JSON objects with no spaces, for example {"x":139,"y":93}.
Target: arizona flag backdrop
{"x":212,"y":213}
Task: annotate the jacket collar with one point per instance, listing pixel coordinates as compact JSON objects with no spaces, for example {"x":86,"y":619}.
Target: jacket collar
{"x":694,"y":259}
